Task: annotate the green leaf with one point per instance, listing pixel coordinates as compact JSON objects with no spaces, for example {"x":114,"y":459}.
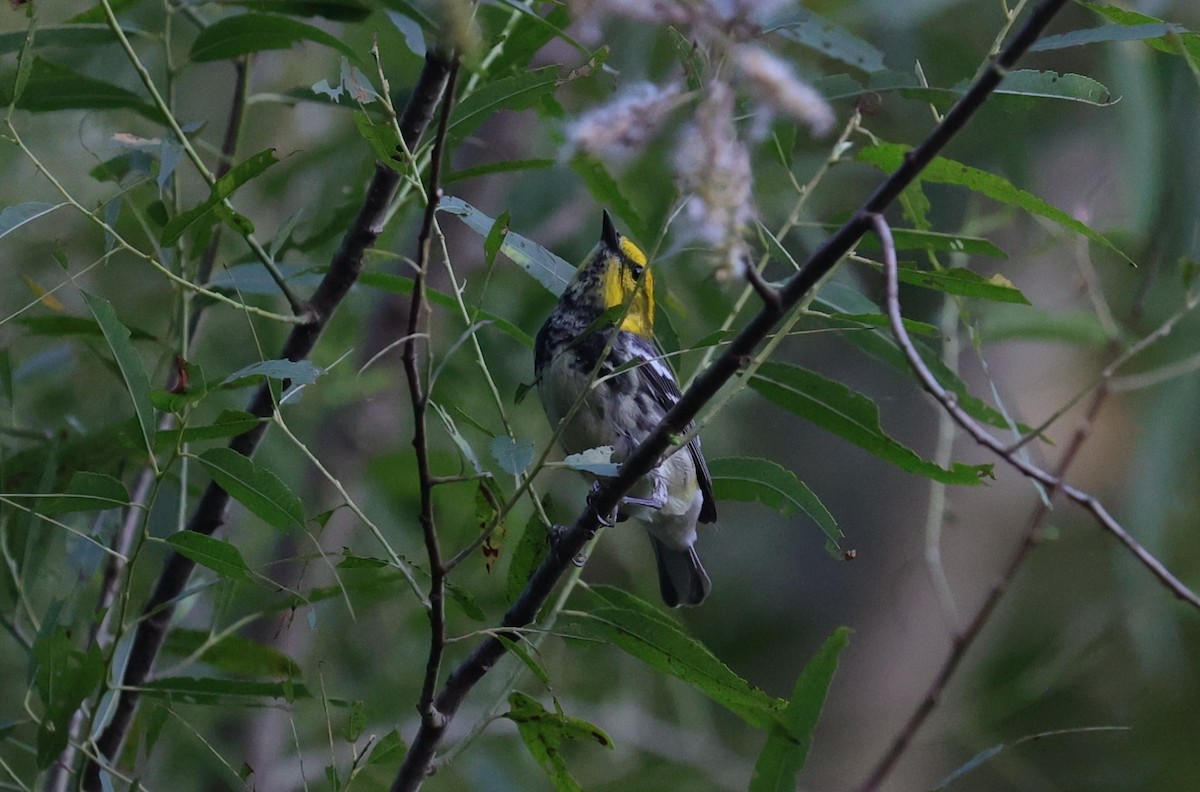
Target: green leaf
{"x":530,"y":33}
{"x":13,"y":217}
{"x":964,"y":282}
{"x":297,"y":372}
{"x":136,"y":381}
{"x":231,"y":653}
{"x":917,"y":239}
{"x":889,"y":156}
{"x":228,"y":423}
{"x":335,"y":10}
{"x":1052,"y":85}
{"x":253,"y":32}
{"x":748,"y":479}
{"x":465,"y":602}
{"x":503,"y":166}
{"x":52,"y":87}
{"x":787,"y":746}
{"x":514,"y":456}
{"x":75,"y":37}
{"x":219,"y":556}
{"x":87,"y":492}
{"x":597,"y":461}
{"x":63,"y":678}
{"x":256,"y":488}
{"x":224,"y":187}
{"x":1107,"y":33}
{"x":529,"y":553}
{"x":544,"y":733}
{"x":548,"y":269}
{"x":1188,"y":41}
{"x":356,"y":722}
{"x":215,"y":692}
{"x":851,"y":416}
{"x":607,"y":192}
{"x":495,"y":238}
{"x":1017,"y":85}
{"x":63,"y":326}
{"x":383,"y":140}
{"x":389,"y":751}
{"x":820,"y":34}
{"x":662,"y":644}
{"x":399,"y":284}
{"x":518,"y":92}
{"x":1032,"y":324}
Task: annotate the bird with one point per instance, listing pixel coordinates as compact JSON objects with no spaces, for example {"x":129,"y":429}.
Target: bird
{"x":608,"y":310}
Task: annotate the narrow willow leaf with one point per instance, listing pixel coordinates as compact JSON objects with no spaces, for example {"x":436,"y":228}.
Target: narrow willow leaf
{"x":13,"y":217}
{"x":465,"y":602}
{"x":224,"y":187}
{"x":216,"y":692}
{"x":51,"y":87}
{"x":518,"y":92}
{"x":1003,"y":323}
{"x":519,"y":651}
{"x":966,"y":283}
{"x":787,"y":746}
{"x":529,"y":553}
{"x":1052,"y":85}
{"x":228,"y":423}
{"x":851,"y":416}
{"x":889,"y":156}
{"x":74,"y":37}
{"x":253,"y":32}
{"x":665,"y":647}
{"x":513,"y":455}
{"x":63,"y":678}
{"x":399,"y":284}
{"x":335,"y":10}
{"x":917,"y":239}
{"x":530,"y":33}
{"x":253,"y":278}
{"x":495,"y":238}
{"x":548,"y":269}
{"x":219,"y":556}
{"x":87,"y":492}
{"x":64,"y":326}
{"x":607,"y":192}
{"x":1189,"y":41}
{"x":748,"y":479}
{"x":256,"y":488}
{"x":503,"y":166}
{"x":231,"y":653}
{"x":116,"y":335}
{"x":464,"y":446}
{"x":1107,"y":33}
{"x":297,"y":372}
{"x":1019,"y":84}
{"x":820,"y":34}
{"x":544,"y":732}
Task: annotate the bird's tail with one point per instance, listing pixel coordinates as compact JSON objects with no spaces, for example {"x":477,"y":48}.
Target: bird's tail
{"x":681,"y":577}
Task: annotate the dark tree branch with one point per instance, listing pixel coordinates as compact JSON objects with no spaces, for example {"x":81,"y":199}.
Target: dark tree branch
{"x":420,"y":404}
{"x":209,"y":514}
{"x":419,"y":761}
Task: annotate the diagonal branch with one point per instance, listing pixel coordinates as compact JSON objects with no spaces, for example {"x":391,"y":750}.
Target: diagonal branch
{"x":209,"y":514}
{"x":419,"y":761}
{"x":1052,"y":481}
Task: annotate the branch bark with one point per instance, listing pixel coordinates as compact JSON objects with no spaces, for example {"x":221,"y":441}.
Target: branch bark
{"x":209,"y":514}
{"x":419,"y":762}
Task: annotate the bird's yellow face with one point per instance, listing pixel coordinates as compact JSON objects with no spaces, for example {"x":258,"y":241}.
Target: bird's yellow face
{"x":627,"y":280}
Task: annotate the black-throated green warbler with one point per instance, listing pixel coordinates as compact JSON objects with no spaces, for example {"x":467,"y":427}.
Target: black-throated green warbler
{"x":623,"y":399}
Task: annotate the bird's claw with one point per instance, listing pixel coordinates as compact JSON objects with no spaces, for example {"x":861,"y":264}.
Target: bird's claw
{"x":607,"y":520}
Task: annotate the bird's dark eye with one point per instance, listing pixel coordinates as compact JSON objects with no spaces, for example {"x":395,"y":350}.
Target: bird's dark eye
{"x":636,"y":270}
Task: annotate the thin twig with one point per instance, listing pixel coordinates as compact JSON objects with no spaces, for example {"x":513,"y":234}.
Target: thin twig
{"x":419,"y":761}
{"x":209,"y":513}
{"x":420,"y":404}
{"x":950,"y":402}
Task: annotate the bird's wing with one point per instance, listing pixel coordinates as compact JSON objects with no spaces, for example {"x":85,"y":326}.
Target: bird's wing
{"x":666,"y":392}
